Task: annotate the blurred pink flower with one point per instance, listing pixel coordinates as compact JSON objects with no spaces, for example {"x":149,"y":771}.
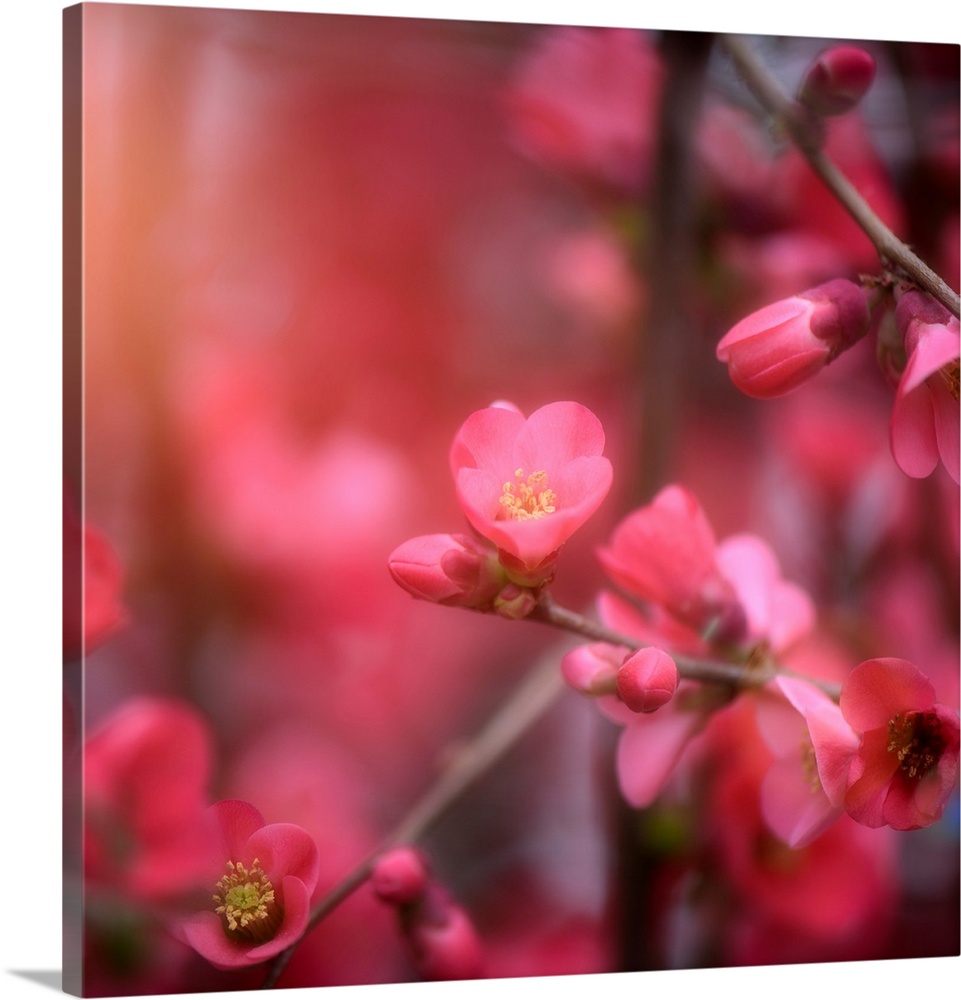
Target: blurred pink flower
{"x":907,"y":763}
{"x":925,"y":417}
{"x":92,"y":585}
{"x":665,"y":553}
{"x":528,"y":485}
{"x":267,"y":876}
{"x":782,"y":345}
{"x":399,"y":876}
{"x":585,"y":100}
{"x":145,"y":774}
{"x":802,"y":793}
{"x":441,"y":937}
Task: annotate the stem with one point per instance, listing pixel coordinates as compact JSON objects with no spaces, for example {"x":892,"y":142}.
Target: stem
{"x":776,"y":102}
{"x":739,"y":675}
{"x":528,"y":702}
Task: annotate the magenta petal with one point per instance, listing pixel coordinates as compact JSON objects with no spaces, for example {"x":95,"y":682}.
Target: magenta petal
{"x":286,"y":849}
{"x":877,"y":690}
{"x":648,"y":751}
{"x":936,"y":346}
{"x":872,"y":769}
{"x":556,"y":434}
{"x":486,"y":440}
{"x":914,"y":442}
{"x":947,"y":426}
{"x":296,"y":914}
{"x":794,"y":810}
{"x":238,"y":821}
{"x":204,"y":932}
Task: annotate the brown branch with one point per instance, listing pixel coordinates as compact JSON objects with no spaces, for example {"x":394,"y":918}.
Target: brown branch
{"x":535,"y":694}
{"x":804,"y":134}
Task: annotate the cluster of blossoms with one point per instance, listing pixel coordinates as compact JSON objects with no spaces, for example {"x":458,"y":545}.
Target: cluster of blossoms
{"x":693,"y":622}
{"x":782,"y":345}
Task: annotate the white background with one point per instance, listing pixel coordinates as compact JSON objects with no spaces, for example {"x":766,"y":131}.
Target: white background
{"x":30,"y":372}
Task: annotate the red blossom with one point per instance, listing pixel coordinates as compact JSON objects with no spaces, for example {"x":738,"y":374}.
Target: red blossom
{"x":528,"y":485}
{"x":261,"y":900}
{"x":906,"y":765}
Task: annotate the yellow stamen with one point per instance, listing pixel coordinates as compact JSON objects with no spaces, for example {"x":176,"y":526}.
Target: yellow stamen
{"x":248,"y":908}
{"x":810,"y":765}
{"x":951,"y":373}
{"x":528,"y":498}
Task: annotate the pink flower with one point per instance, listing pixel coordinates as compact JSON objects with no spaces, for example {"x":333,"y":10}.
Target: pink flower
{"x":665,"y":553}
{"x":261,"y":900}
{"x":399,"y":876}
{"x":585,"y":101}
{"x":837,"y":80}
{"x":925,"y":418}
{"x":907,"y":762}
{"x":528,"y":485}
{"x":92,"y":585}
{"x":145,"y":774}
{"x":802,"y":793}
{"x":782,"y":345}
{"x":440,"y":936}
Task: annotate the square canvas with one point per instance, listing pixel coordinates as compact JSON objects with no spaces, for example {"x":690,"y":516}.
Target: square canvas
{"x":510,"y":500}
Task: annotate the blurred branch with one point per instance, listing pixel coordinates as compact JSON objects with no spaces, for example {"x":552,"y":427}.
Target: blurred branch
{"x":529,"y":701}
{"x":804,"y":134}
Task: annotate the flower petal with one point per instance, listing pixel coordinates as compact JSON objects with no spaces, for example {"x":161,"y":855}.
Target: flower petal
{"x":877,"y":690}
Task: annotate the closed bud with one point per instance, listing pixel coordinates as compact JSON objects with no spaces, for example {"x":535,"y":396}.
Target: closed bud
{"x":399,"y":877}
{"x":442,"y":940}
{"x":448,"y":569}
{"x":647,"y":680}
{"x":782,"y":345}
{"x":837,"y":80}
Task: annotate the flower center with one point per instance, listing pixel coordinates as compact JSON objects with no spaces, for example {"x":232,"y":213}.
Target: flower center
{"x":528,"y":498}
{"x":916,"y":740}
{"x":951,"y":373}
{"x":247,"y":905}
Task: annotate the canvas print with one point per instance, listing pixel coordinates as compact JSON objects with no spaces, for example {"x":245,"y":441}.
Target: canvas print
{"x":510,"y":503}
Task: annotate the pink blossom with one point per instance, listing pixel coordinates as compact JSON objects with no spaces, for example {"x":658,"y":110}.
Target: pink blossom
{"x":92,"y":585}
{"x":592,"y":668}
{"x":145,"y":774}
{"x":925,"y":417}
{"x":261,"y":900}
{"x":802,"y":793}
{"x":837,"y":80}
{"x":782,"y":345}
{"x":776,"y":611}
{"x":665,"y":553}
{"x":585,"y":100}
{"x":528,"y":485}
{"x":906,"y":765}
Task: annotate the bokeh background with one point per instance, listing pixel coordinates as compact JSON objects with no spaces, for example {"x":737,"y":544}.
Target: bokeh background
{"x":312,"y":246}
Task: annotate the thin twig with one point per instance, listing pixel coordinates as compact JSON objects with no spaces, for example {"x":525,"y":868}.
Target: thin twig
{"x":799,"y":127}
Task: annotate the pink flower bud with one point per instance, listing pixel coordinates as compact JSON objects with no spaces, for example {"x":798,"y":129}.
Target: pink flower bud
{"x":592,"y":669}
{"x":442,"y":940}
{"x":837,"y":80}
{"x":400,"y":876}
{"x":782,"y":345}
{"x":647,"y":680}
{"x":447,"y":569}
